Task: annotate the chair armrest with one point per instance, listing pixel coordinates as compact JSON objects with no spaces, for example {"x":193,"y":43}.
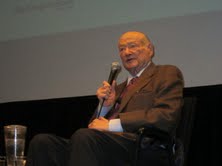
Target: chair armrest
{"x":154,"y":132}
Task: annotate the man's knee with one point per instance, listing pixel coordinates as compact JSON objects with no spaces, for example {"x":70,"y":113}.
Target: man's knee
{"x":41,"y":140}
{"x":83,"y":135}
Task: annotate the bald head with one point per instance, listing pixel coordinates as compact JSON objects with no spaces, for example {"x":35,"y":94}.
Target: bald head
{"x":135,"y":34}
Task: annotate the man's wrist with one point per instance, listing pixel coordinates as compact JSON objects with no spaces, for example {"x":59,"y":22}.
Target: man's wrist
{"x":115,"y":125}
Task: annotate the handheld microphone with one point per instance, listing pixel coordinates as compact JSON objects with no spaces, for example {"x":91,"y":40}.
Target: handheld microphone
{"x":115,"y":70}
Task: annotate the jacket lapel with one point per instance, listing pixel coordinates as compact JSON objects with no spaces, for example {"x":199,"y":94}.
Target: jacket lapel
{"x":143,"y":80}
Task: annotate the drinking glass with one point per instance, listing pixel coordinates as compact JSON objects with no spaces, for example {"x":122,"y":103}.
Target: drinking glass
{"x":15,"y":136}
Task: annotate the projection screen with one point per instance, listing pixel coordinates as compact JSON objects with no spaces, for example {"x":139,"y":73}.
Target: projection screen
{"x":64,"y":48}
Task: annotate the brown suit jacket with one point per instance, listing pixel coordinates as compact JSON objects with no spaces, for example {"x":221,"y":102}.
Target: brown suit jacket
{"x":155,"y":100}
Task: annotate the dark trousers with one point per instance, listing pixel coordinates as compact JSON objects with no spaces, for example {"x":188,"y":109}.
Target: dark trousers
{"x":88,"y":147}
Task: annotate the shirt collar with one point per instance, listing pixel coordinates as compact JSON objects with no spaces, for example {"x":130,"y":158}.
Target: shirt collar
{"x":138,"y":74}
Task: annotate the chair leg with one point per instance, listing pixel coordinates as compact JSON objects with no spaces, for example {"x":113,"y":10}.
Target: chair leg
{"x":138,"y":141}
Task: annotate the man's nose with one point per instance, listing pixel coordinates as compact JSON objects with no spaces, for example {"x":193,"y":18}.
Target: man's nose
{"x":127,"y":51}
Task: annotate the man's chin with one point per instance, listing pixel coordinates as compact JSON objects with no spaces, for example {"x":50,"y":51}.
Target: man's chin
{"x":132,"y":70}
{"x":131,"y":66}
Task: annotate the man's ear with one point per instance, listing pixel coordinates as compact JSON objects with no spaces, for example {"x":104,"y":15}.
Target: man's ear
{"x":151,"y":48}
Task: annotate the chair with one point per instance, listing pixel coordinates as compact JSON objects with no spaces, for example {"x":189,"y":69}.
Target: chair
{"x":178,"y":145}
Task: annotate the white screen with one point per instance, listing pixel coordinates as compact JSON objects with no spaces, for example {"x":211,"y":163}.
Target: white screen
{"x":64,"y":48}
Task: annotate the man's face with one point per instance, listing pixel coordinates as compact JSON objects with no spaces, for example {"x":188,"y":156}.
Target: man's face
{"x":134,"y":52}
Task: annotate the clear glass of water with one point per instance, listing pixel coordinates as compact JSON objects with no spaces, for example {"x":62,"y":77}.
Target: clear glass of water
{"x":15,"y":136}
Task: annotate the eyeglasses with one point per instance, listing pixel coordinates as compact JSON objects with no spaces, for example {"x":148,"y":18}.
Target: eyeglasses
{"x":130,"y":46}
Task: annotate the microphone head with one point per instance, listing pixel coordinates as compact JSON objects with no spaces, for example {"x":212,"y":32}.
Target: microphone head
{"x":115,"y":70}
{"x":116,"y":66}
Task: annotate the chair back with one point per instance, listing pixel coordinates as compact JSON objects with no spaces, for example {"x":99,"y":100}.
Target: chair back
{"x":184,"y":130}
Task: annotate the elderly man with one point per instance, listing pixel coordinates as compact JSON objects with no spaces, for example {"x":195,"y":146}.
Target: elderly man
{"x":152,"y":95}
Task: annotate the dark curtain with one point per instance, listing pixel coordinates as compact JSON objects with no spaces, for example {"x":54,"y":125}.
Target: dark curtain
{"x":63,"y":116}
